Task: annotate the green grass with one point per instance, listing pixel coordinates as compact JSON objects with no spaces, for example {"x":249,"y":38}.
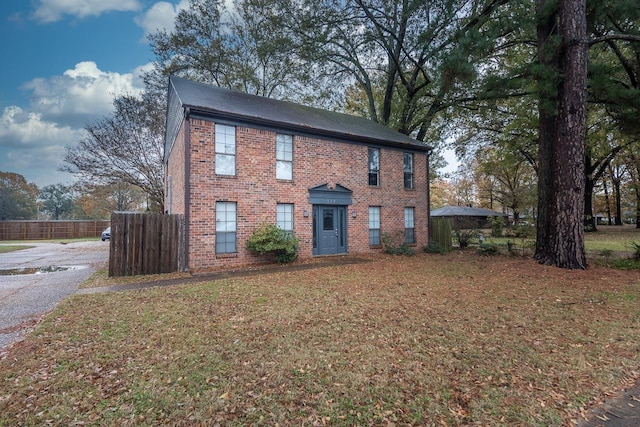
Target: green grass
{"x":12,"y":248}
{"x":80,"y":239}
{"x":460,"y":339}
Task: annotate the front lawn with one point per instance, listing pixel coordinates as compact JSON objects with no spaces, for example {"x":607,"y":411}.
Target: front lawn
{"x":456,"y":339}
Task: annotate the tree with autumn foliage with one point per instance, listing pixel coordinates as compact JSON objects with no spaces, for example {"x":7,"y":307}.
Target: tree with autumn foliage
{"x":18,"y":198}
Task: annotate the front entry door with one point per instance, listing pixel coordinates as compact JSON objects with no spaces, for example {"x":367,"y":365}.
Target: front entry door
{"x":328,"y":230}
{"x":331,"y":229}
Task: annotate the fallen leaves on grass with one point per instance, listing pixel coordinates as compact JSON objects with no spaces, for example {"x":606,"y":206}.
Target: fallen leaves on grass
{"x":454,"y":340}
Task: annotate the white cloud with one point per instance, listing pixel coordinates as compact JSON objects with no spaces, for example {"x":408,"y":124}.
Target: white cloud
{"x":160,"y":16}
{"x":53,"y":10}
{"x":21,"y":129}
{"x":34,"y":147}
{"x":81,"y":93}
{"x":32,"y":140}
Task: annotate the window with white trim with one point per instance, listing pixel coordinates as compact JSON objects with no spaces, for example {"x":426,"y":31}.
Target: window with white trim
{"x":225,"y":150}
{"x":409,"y":226}
{"x":284,"y":156}
{"x":374,"y":225}
{"x":226,"y":227}
{"x":284,"y":216}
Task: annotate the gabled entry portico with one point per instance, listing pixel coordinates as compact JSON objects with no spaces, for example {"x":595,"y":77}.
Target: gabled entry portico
{"x":330,"y":219}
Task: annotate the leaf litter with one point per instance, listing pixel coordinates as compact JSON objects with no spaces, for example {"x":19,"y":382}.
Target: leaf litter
{"x":427,"y":340}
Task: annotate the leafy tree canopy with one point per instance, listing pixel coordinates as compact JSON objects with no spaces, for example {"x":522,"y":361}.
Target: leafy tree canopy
{"x":17,"y":197}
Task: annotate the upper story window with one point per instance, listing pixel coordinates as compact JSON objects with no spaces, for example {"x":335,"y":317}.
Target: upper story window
{"x":409,"y":226}
{"x":374,"y":166}
{"x":226,"y":227}
{"x":408,"y":170}
{"x":225,"y":150}
{"x":284,"y":216}
{"x":284,"y":156}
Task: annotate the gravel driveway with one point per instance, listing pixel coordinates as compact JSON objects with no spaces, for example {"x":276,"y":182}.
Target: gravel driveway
{"x":25,"y":297}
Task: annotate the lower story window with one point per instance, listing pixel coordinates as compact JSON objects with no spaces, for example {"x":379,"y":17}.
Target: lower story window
{"x":374,"y":225}
{"x":409,"y":226}
{"x":226,"y":228}
{"x":284,"y":217}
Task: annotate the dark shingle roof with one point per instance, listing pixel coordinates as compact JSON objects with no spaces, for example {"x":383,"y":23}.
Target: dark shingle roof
{"x":464,"y":211}
{"x":216,"y":102}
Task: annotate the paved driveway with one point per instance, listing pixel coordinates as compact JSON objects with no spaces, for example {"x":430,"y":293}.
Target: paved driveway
{"x":25,"y":297}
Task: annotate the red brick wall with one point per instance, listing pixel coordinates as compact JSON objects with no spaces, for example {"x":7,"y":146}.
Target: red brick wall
{"x":256,"y":191}
{"x":175,"y":189}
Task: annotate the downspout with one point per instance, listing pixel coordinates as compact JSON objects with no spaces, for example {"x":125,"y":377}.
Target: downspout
{"x":428,"y":155}
{"x":187,"y":184}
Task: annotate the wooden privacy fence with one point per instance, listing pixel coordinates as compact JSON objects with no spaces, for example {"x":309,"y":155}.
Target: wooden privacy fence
{"x":44,"y":230}
{"x":147,"y":243}
{"x":441,"y":233}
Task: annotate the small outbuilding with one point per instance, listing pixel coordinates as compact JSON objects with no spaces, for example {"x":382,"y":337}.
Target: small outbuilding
{"x":465,"y":217}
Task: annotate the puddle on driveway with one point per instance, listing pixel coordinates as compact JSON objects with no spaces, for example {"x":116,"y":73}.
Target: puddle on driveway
{"x":38,"y":270}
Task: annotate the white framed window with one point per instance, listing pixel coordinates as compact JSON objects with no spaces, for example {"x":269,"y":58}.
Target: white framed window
{"x":374,"y":166}
{"x":225,"y":150}
{"x":374,"y":225}
{"x":409,"y":226}
{"x":284,"y":156}
{"x":284,"y":216}
{"x":408,"y":170}
{"x":226,"y":227}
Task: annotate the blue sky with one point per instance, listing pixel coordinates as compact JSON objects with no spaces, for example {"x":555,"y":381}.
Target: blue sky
{"x":63,"y":62}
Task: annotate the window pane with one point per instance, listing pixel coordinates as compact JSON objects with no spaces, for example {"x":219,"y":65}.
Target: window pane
{"x":284,"y":156}
{"x":408,"y":162}
{"x":327,"y":219}
{"x":225,"y":242}
{"x":225,"y":227}
{"x":408,"y":180}
{"x":225,"y":139}
{"x":374,"y":225}
{"x":409,"y":231}
{"x":374,"y":237}
{"x":225,"y":164}
{"x":409,"y":235}
{"x":284,"y":216}
{"x":225,"y":147}
{"x":408,"y":170}
{"x":225,"y":216}
{"x":284,"y":170}
{"x":284,"y":147}
{"x":408,"y":217}
{"x":374,"y":217}
{"x":374,"y":166}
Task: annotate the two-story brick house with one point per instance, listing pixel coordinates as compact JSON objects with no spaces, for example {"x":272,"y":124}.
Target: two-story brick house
{"x":338,"y":182}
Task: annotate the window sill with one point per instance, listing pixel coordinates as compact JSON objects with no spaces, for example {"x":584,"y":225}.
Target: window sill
{"x":225,"y":255}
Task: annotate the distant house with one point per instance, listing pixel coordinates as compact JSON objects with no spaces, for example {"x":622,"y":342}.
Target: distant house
{"x":337,"y":182}
{"x":464,"y":217}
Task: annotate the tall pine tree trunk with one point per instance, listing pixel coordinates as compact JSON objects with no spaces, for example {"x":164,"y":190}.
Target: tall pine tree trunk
{"x":562,"y":153}
{"x":548,"y":58}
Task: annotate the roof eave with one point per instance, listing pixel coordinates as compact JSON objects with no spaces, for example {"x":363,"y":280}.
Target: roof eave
{"x":198,"y":110}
